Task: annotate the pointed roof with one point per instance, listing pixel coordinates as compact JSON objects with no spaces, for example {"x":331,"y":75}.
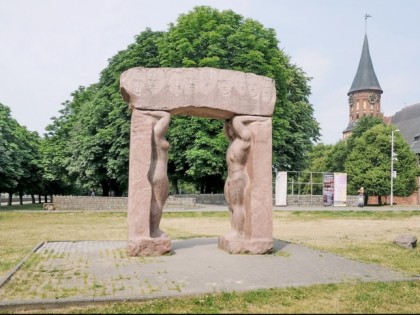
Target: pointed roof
{"x":365,"y":78}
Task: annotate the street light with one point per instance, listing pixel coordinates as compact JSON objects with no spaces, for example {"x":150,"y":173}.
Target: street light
{"x":393,"y":157}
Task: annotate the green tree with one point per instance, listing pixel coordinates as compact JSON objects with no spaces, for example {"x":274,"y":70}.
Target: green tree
{"x":336,"y":159}
{"x":19,"y":157}
{"x":225,"y":40}
{"x":10,"y":160}
{"x":362,"y":125}
{"x":56,"y":152}
{"x":197,"y":154}
{"x":369,"y":164}
{"x":30,"y":162}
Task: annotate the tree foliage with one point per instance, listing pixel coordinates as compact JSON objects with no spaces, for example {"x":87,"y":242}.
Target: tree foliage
{"x":369,"y":164}
{"x":10,"y":160}
{"x":225,"y":40}
{"x":366,"y":157}
{"x":20,"y":169}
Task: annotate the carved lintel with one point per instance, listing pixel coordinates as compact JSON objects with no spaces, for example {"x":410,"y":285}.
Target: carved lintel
{"x":203,"y":92}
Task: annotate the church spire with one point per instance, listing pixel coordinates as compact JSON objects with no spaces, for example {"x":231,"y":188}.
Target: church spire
{"x":365,"y":78}
{"x":365,"y":92}
{"x":366,"y":17}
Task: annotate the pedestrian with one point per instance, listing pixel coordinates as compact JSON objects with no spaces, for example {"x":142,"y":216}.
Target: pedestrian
{"x":361,"y":201}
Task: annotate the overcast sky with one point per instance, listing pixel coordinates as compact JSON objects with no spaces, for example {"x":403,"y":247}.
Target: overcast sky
{"x":48,"y":48}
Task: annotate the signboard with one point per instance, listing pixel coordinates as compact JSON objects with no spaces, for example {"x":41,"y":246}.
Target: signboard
{"x":340,"y":189}
{"x":328,"y":189}
{"x":281,"y":189}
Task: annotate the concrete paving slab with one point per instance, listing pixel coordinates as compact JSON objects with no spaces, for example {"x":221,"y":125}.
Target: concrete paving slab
{"x":77,"y":272}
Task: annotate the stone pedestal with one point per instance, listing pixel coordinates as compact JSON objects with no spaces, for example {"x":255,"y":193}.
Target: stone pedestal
{"x":245,"y":246}
{"x":147,"y":246}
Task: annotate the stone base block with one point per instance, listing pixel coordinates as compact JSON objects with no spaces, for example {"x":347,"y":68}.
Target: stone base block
{"x":149,"y":247}
{"x":240,"y":245}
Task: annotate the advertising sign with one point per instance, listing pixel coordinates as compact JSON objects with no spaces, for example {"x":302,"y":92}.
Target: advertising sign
{"x":281,"y":189}
{"x":340,"y":189}
{"x":328,"y":189}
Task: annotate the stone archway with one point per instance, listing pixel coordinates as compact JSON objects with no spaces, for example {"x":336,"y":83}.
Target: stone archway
{"x":245,"y":102}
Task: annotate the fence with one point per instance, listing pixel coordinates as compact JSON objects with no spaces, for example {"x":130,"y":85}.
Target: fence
{"x":110,"y":203}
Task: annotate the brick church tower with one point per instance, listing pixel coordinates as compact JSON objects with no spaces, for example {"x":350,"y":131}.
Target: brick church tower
{"x":365,"y":92}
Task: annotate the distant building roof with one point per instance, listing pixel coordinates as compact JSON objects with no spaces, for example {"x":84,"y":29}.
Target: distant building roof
{"x":350,"y":126}
{"x":407,"y":121}
{"x":365,"y":78}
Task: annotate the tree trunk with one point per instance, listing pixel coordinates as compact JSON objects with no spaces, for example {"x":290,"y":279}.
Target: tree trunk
{"x":380,"y":200}
{"x":175,"y":186}
{"x":105,"y":188}
{"x":115,"y":189}
{"x":20,"y":198}
{"x":39,"y":198}
{"x":9,"y":203}
{"x":33,"y":198}
{"x":45,"y":198}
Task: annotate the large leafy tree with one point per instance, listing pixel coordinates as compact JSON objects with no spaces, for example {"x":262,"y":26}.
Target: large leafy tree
{"x":19,"y":157}
{"x":225,"y":40}
{"x":30,"y":182}
{"x":369,"y":164}
{"x":56,"y":150}
{"x":96,"y":123}
{"x":10,"y":159}
{"x":332,"y":158}
{"x":362,"y":125}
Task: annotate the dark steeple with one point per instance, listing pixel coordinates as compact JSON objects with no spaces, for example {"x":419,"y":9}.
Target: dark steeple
{"x":365,"y":78}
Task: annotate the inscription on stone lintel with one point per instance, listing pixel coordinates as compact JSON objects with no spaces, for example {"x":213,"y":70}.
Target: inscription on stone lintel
{"x":191,"y":91}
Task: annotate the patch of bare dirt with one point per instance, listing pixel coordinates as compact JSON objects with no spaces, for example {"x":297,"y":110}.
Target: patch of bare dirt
{"x":317,"y":232}
{"x":330,"y":231}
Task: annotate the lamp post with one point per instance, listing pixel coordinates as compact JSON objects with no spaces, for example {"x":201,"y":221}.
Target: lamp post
{"x":392,"y":166}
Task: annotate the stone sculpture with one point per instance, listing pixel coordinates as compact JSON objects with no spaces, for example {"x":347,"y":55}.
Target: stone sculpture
{"x":246,"y":102}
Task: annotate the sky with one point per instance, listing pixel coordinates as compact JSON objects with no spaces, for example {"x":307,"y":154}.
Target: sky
{"x":48,"y":48}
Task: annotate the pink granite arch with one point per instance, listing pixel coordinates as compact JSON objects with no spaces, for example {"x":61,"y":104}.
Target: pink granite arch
{"x":246,"y":102}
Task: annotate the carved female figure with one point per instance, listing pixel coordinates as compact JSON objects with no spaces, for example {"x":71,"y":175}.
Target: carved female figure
{"x":237,"y":186}
{"x":157,"y":175}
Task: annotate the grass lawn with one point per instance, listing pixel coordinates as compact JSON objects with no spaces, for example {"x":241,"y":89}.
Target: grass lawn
{"x":361,"y":235}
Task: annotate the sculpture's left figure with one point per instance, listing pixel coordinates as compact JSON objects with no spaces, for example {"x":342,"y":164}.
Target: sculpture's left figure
{"x":148,"y":183}
{"x":158,"y":175}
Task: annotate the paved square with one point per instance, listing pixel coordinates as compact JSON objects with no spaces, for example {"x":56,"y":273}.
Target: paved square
{"x":101,"y":270}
